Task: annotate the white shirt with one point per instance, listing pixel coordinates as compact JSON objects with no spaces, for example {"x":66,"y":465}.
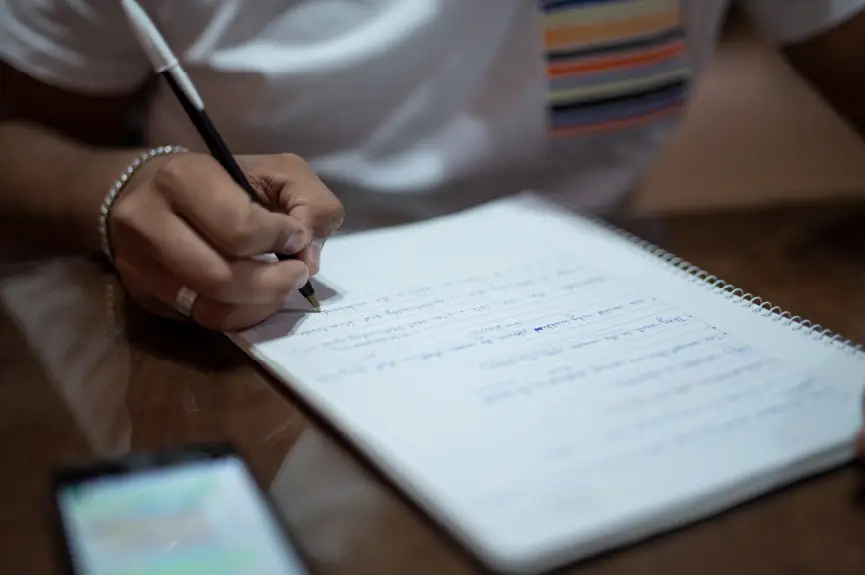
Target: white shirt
{"x":407,"y":107}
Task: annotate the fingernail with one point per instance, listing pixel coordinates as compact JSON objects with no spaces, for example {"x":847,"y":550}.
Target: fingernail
{"x":314,"y":251}
{"x":301,"y":281}
{"x":294,"y":243}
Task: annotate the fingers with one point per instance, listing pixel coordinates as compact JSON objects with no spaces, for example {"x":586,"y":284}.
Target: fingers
{"x":201,"y":192}
{"x":196,"y":264}
{"x":316,"y":210}
{"x":323,"y":225}
{"x":293,"y":186}
{"x":155,"y":288}
{"x":311,"y":255}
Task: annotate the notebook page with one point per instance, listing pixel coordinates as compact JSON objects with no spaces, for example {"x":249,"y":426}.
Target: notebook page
{"x":543,"y":386}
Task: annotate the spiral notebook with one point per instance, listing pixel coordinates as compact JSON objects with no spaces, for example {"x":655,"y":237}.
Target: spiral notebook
{"x":546,"y":387}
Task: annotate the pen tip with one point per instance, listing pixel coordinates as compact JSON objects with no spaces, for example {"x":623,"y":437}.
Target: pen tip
{"x":313,"y":302}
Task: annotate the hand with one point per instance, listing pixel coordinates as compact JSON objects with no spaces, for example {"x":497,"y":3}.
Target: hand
{"x":182,"y":221}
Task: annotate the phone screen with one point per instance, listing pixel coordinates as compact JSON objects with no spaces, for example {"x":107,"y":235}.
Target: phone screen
{"x":199,"y":517}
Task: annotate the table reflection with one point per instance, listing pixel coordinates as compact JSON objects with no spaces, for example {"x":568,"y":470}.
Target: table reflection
{"x":67,"y":312}
{"x":312,"y":489}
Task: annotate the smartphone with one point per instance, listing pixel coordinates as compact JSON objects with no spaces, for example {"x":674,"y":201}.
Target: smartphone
{"x":192,"y":510}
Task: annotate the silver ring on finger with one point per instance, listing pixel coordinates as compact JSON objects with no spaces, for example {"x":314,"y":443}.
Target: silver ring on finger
{"x":184,"y":300}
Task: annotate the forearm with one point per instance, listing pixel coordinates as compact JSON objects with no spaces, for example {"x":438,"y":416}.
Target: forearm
{"x":51,"y":189}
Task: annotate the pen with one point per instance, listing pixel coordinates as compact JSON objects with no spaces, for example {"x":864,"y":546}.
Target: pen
{"x":165,"y":64}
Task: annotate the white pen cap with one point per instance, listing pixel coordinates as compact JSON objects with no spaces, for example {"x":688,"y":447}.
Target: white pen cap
{"x":160,"y":55}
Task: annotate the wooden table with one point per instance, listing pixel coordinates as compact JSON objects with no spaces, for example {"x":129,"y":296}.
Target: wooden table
{"x":84,"y":373}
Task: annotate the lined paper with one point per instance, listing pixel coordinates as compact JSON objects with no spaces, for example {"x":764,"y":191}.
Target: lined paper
{"x":546,"y":399}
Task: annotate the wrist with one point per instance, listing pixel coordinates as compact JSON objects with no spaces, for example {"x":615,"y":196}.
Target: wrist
{"x":92,"y":178}
{"x":101,"y":178}
{"x":121,"y":185}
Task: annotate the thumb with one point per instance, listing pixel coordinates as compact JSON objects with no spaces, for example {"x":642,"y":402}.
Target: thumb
{"x":322,"y":219}
{"x":311,"y":255}
{"x":322,"y":216}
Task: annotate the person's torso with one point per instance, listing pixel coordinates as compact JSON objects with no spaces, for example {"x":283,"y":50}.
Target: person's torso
{"x":440,"y":102}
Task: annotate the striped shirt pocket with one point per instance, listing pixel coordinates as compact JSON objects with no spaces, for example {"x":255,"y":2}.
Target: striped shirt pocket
{"x":613,"y":64}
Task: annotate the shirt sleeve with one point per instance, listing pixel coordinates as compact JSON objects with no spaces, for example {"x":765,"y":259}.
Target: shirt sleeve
{"x":790,"y":21}
{"x":78,"y":45}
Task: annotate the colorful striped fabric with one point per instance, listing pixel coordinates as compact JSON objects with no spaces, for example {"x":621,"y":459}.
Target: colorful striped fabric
{"x":613,"y":64}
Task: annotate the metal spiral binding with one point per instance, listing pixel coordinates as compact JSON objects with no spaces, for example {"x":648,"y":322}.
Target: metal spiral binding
{"x":731,"y":292}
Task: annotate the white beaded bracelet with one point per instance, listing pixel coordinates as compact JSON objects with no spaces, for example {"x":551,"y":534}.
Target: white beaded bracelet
{"x":118,"y":186}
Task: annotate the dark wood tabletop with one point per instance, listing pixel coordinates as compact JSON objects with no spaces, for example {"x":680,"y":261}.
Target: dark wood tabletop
{"x":86,"y":374}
